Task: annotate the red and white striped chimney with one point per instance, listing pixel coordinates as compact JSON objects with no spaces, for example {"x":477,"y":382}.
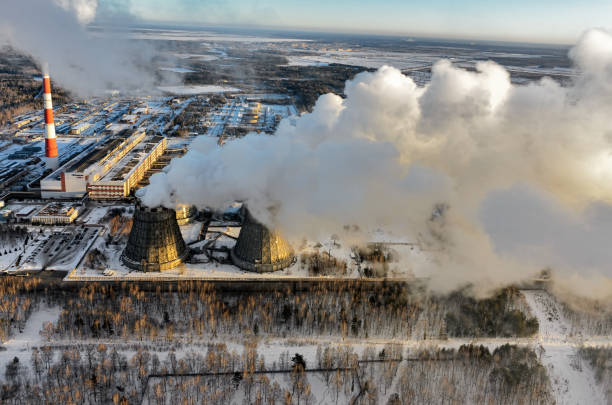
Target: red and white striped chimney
{"x":50,"y":141}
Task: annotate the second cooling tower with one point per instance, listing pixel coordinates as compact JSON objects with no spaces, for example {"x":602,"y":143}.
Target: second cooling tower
{"x":260,"y":249}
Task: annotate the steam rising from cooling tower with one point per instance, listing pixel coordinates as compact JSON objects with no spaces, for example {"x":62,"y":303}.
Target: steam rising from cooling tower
{"x":155,"y":242}
{"x":525,"y":172}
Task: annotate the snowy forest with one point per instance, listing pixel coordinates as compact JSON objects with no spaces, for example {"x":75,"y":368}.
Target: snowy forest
{"x":333,"y":344}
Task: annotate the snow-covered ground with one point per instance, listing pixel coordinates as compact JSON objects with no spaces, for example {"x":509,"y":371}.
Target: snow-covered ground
{"x":573,"y":382}
{"x":177,"y":70}
{"x":190,"y":232}
{"x":21,"y":343}
{"x":189,"y":90}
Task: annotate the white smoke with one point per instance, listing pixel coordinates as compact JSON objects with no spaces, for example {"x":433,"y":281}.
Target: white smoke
{"x":55,"y":31}
{"x":525,"y":170}
{"x":85,"y":10}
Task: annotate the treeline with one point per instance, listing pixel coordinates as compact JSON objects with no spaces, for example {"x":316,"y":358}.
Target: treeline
{"x":13,"y":237}
{"x":195,"y":309}
{"x":17,"y":302}
{"x":498,"y":315}
{"x":472,"y":374}
{"x":588,"y":317}
{"x":99,"y":374}
{"x":600,"y":359}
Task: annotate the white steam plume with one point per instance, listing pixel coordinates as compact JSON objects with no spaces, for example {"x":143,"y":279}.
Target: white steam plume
{"x":54,"y":31}
{"x":526,"y":171}
{"x":85,"y":10}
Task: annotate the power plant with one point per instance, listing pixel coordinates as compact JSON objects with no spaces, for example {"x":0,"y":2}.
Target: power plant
{"x":259,"y":249}
{"x":50,"y":141}
{"x":155,"y":242}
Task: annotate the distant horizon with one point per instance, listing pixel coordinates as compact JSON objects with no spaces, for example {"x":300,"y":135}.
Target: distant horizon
{"x":559,"y":22}
{"x":278,"y":30}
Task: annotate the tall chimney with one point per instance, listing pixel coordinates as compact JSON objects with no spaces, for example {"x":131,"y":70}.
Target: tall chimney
{"x":50,"y":141}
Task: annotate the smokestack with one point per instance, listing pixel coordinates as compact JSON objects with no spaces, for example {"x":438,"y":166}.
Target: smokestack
{"x":50,"y":141}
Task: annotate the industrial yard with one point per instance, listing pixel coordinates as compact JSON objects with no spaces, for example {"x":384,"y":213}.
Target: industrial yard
{"x":108,"y":152}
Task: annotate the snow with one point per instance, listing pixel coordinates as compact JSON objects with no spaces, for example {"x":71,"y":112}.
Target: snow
{"x":95,"y":215}
{"x":21,"y":343}
{"x":177,"y":70}
{"x":203,"y":58}
{"x":189,"y":90}
{"x":190,"y":232}
{"x":209,"y":36}
{"x":572,"y":382}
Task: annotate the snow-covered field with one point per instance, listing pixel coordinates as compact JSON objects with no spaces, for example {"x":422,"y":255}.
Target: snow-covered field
{"x":190,"y":90}
{"x":177,"y":70}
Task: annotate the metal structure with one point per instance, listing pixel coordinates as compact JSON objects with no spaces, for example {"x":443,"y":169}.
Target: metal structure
{"x":155,"y":242}
{"x":50,"y":140}
{"x":185,"y":214}
{"x":260,"y":249}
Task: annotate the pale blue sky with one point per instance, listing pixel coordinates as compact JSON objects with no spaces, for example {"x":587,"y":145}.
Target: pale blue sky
{"x":525,"y":20}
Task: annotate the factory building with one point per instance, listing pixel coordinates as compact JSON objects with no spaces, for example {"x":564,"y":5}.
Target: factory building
{"x":56,"y":214}
{"x":127,"y":173}
{"x":79,"y":128}
{"x":110,"y":170}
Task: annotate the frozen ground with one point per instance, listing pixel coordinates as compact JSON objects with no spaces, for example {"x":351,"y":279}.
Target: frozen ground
{"x":177,"y":70}
{"x":94,"y":216}
{"x":21,"y":343}
{"x":190,"y":90}
{"x":208,"y":36}
{"x":573,"y":382}
{"x":367,"y":59}
{"x":191,"y":232}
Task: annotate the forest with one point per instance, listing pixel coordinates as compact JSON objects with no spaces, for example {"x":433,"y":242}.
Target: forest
{"x":123,"y":344}
{"x":101,"y":374}
{"x":340,"y":309}
{"x":196,"y":310}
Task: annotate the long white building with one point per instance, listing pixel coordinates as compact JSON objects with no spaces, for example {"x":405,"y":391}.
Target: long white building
{"x":100,"y":171}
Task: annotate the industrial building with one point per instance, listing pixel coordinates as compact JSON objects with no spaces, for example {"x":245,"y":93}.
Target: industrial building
{"x":109,"y":170}
{"x":155,"y":242}
{"x":56,"y":214}
{"x":79,"y":128}
{"x":127,"y":173}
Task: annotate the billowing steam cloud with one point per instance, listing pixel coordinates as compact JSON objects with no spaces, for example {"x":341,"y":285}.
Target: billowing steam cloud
{"x":85,"y":10}
{"x":54,"y":31}
{"x":517,"y":177}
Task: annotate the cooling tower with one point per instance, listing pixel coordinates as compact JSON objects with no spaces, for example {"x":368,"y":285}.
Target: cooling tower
{"x":185,"y":214}
{"x":259,"y":249}
{"x":155,"y":242}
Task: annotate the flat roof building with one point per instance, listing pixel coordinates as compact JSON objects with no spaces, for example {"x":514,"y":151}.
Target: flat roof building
{"x":56,"y":214}
{"x":127,"y":173}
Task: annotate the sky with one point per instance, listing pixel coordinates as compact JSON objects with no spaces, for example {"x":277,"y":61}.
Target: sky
{"x":560,"y":21}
